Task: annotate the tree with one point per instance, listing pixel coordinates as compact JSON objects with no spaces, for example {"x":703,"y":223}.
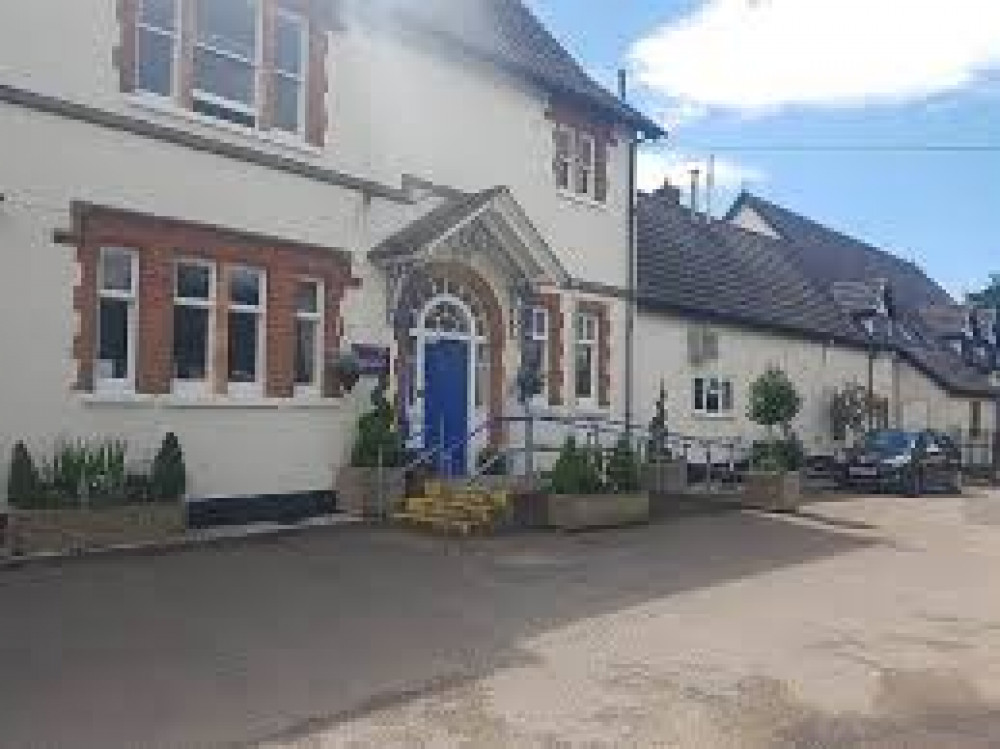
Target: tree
{"x":849,"y":410}
{"x":774,"y":401}
{"x":659,"y":448}
{"x":169,"y":476}
{"x":989,"y":297}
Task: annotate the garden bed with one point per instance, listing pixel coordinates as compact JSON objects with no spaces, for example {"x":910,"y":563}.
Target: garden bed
{"x":581,"y":511}
{"x":70,"y":530}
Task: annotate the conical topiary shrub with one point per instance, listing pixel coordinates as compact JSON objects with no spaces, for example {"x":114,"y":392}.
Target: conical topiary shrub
{"x":23,"y":483}
{"x":169,"y":478}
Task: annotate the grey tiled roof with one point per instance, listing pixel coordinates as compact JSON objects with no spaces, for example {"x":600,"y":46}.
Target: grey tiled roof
{"x":507,"y":34}
{"x":833,"y":262}
{"x":416,"y":235}
{"x":724,"y":272}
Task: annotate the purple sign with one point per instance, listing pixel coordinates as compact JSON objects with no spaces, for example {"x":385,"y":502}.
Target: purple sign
{"x":373,"y":360}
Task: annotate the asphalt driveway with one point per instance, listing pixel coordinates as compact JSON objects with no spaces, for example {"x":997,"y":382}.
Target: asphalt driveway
{"x":338,"y":635}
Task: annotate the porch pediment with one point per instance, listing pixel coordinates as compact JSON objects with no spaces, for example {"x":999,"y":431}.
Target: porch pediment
{"x":490,"y":222}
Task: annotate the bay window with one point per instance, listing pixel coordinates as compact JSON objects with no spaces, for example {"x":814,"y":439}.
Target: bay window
{"x":117,"y":295}
{"x":308,"y":337}
{"x":194,"y":302}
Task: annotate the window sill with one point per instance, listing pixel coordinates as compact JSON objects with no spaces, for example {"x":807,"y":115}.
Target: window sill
{"x":714,"y":417}
{"x":276,"y":139}
{"x":584,"y":200}
{"x":182,"y":402}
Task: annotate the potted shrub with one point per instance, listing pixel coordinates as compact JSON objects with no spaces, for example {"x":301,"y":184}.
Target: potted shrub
{"x":664,"y":473}
{"x":373,"y":484}
{"x":586,"y":492}
{"x":774,"y":481}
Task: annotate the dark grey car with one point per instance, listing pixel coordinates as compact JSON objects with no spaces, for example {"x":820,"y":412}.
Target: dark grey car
{"x":910,"y":463}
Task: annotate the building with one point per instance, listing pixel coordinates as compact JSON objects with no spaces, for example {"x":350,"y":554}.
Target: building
{"x":724,"y":300}
{"x":205,"y":202}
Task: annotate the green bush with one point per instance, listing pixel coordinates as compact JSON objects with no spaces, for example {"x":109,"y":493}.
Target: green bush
{"x":623,"y":468}
{"x":778,"y":455}
{"x":81,"y":471}
{"x":168,"y":481}
{"x":378,"y":438}
{"x":774,"y":401}
{"x":577,"y":470}
{"x":24,"y":483}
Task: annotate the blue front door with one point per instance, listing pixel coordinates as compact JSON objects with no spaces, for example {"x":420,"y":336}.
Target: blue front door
{"x":446,"y":402}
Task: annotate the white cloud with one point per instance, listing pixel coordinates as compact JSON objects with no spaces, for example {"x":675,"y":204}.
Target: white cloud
{"x":757,"y":56}
{"x":654,"y":167}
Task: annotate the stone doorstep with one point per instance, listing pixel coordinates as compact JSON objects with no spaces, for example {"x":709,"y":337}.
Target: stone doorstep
{"x":191,"y":538}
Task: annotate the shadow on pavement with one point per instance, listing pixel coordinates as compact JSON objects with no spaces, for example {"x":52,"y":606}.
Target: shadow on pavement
{"x":244,"y":642}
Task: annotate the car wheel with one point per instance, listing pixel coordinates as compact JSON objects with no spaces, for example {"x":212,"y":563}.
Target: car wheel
{"x":957,"y":483}
{"x":913,"y":484}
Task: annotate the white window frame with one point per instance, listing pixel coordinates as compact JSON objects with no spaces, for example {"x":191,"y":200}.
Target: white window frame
{"x":708,"y":381}
{"x":582,"y":168}
{"x":301,"y":77}
{"x":127,"y":383}
{"x":207,"y":97}
{"x":199,"y":387}
{"x":175,"y":38}
{"x":253,"y":389}
{"x":568,"y":161}
{"x":315,"y":389}
{"x":581,"y":338}
{"x":539,"y":333}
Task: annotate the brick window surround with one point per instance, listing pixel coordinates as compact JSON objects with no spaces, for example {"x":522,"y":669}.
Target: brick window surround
{"x":566,"y":115}
{"x":159,"y":243}
{"x":417,"y":293}
{"x":602,"y":313}
{"x":555,"y":379}
{"x":318,"y":21}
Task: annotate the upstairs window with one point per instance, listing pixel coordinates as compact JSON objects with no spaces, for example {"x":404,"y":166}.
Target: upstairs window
{"x":579,"y":165}
{"x":246,"y":62}
{"x":713,"y":396}
{"x":289,"y":72}
{"x":157,"y":36}
{"x":226,"y":53}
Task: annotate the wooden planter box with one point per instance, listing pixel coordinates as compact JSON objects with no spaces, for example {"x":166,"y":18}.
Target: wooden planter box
{"x":777,"y":492}
{"x":667,"y":477}
{"x":65,"y":530}
{"x":360,"y":491}
{"x":579,"y":511}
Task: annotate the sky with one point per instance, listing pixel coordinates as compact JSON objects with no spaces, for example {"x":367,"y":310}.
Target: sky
{"x":880,"y":118}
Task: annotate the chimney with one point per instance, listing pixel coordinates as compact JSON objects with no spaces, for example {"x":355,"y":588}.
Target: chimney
{"x":668,"y":193}
{"x":695,"y":186}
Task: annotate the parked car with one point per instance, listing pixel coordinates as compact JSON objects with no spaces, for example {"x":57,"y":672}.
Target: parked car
{"x":910,"y":463}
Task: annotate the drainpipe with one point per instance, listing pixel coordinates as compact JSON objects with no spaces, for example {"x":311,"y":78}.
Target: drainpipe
{"x":631,"y":290}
